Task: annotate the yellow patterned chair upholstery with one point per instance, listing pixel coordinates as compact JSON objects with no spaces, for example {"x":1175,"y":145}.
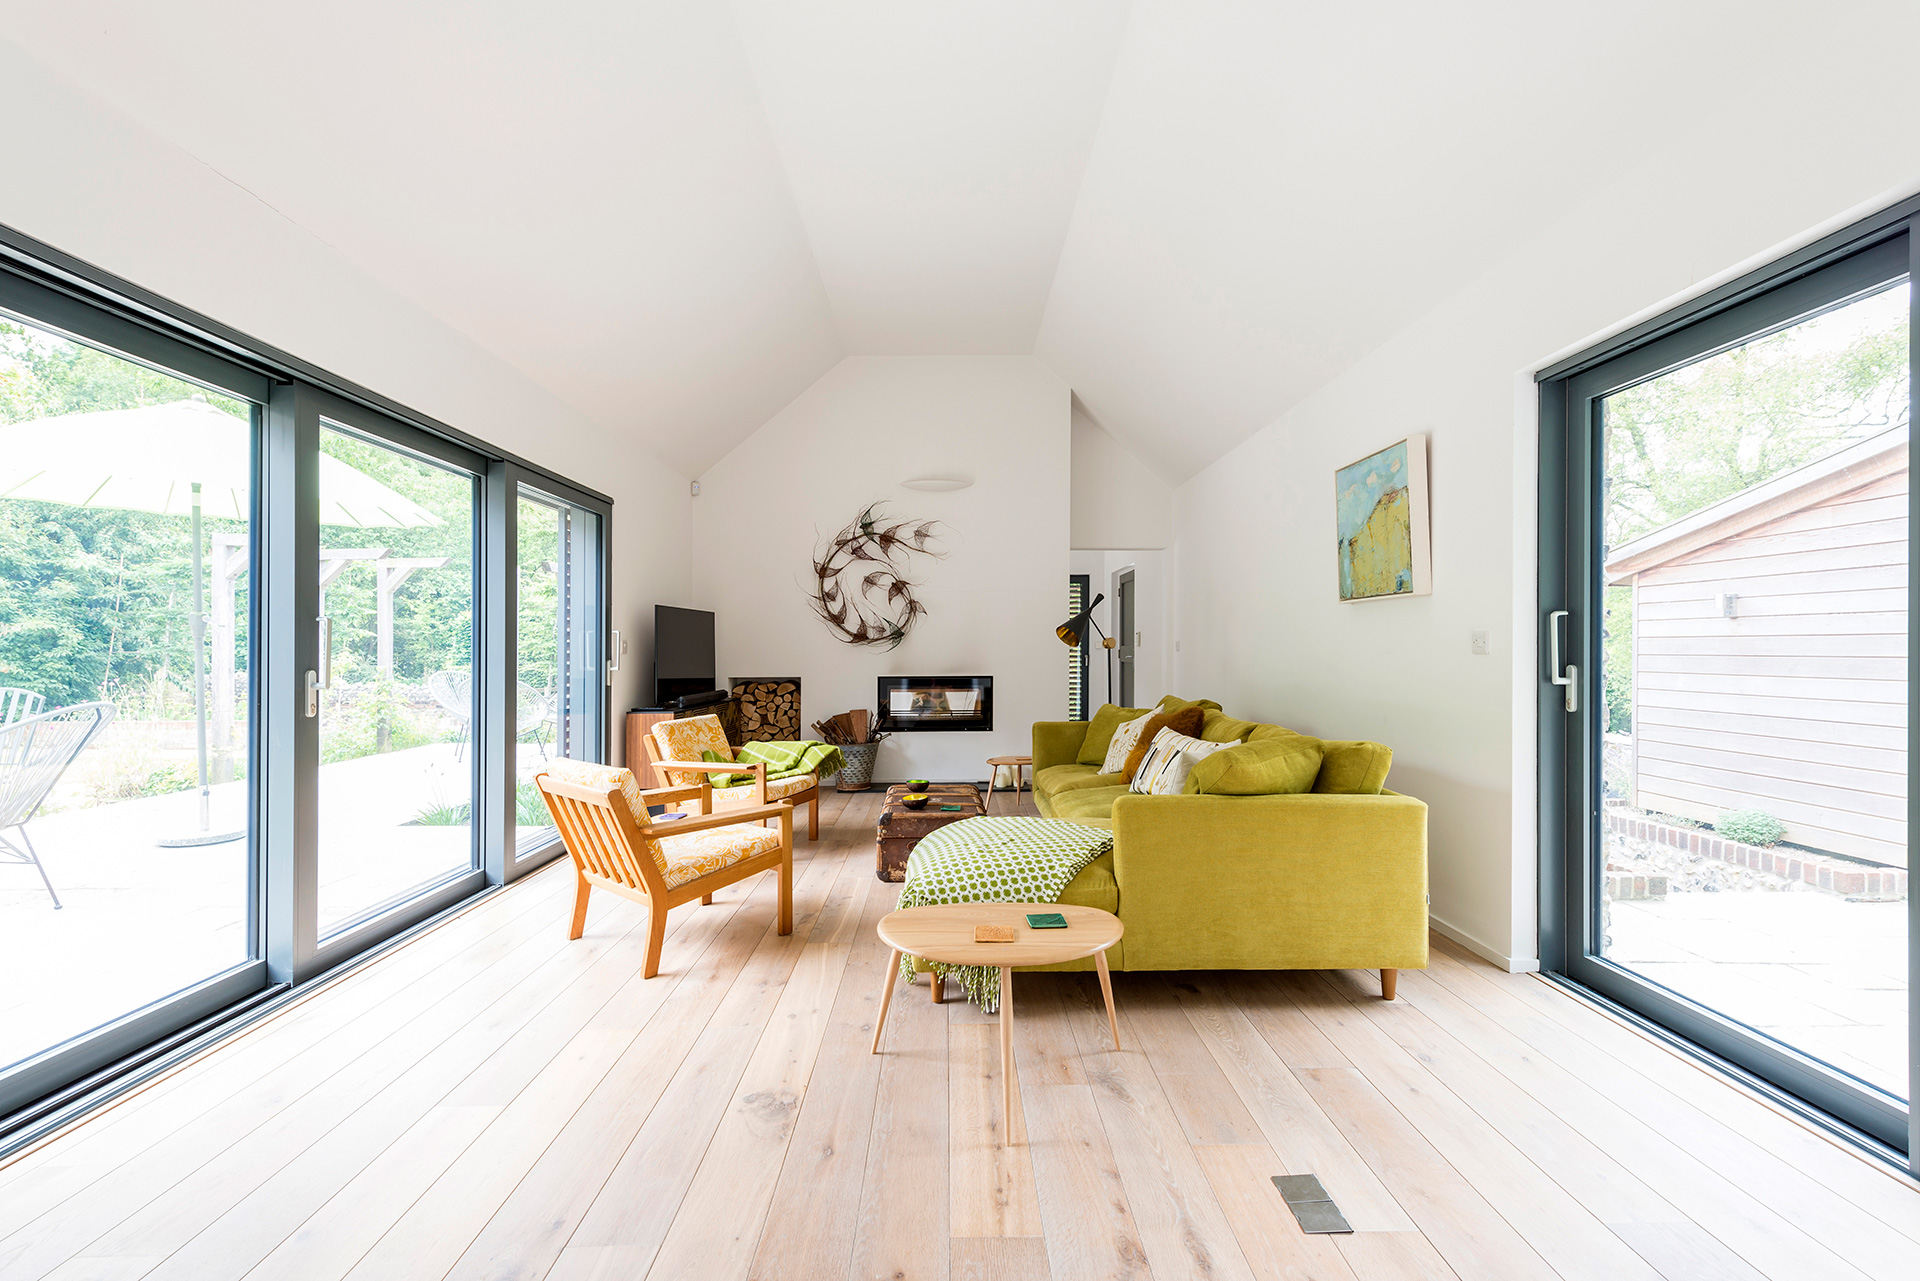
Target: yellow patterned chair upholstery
{"x":601,"y":814}
{"x":674,"y":751}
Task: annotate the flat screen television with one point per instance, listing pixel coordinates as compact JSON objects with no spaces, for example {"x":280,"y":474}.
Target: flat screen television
{"x":682,"y":653}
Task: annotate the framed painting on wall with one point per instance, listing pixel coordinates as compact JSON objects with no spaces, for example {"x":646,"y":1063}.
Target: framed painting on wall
{"x":1380,"y":506}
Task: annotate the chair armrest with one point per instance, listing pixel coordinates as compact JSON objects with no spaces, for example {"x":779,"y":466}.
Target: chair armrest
{"x":1057,"y":743}
{"x":730,"y":818}
{"x":757,"y":768}
{"x":691,"y":792}
{"x":1312,"y":881}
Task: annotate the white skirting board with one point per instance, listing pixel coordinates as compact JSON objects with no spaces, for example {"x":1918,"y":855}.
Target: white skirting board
{"x":1523,"y":965}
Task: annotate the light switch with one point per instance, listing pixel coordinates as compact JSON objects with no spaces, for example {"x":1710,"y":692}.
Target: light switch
{"x":1482,"y":641}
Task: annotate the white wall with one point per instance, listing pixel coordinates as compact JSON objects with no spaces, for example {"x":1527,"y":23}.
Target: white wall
{"x":1262,"y":628}
{"x":92,"y":182}
{"x":1118,"y":501}
{"x":994,"y":600}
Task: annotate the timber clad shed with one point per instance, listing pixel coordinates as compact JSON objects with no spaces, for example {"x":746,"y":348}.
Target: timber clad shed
{"x":1769,"y":652}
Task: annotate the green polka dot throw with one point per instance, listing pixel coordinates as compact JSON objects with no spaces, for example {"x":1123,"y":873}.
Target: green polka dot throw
{"x":996,"y":860}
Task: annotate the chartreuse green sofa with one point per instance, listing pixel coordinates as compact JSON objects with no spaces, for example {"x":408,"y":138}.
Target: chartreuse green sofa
{"x":1334,"y":877}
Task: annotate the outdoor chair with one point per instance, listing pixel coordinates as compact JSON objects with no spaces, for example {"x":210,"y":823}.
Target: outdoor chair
{"x":602,"y":816}
{"x":18,"y":704}
{"x":34,"y":753}
{"x":453,"y":691}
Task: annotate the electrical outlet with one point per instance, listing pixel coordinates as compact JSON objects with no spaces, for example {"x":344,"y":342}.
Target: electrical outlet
{"x":1482,"y":641}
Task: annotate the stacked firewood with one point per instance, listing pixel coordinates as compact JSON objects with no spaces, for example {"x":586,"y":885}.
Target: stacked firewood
{"x":849,"y":728}
{"x":769,"y":711}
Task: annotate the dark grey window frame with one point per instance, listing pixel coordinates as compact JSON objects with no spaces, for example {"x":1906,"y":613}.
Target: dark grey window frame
{"x":1082,"y":677}
{"x":56,"y":291}
{"x":1847,"y":263}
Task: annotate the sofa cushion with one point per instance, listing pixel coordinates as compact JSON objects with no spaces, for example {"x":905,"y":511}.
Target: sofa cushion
{"x":1218,"y":727}
{"x":1087,"y":802}
{"x":1170,"y":704}
{"x":1093,"y":748}
{"x":1055,"y":779}
{"x":1265,"y":767}
{"x":1353,"y":767}
{"x":1095,"y":886}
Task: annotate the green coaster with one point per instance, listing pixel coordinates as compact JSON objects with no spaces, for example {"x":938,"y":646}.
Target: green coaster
{"x":952,"y":809}
{"x":1046,"y":920}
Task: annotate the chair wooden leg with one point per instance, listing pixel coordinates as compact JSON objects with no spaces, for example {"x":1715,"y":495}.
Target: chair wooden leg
{"x":580,"y":893}
{"x":1389,"y":983}
{"x":656,"y":936}
{"x":706,"y":900}
{"x":786,"y":892}
{"x":813,"y":815}
{"x":886,"y":998}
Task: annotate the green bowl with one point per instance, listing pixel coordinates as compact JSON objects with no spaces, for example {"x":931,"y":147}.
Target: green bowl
{"x":918,"y":785}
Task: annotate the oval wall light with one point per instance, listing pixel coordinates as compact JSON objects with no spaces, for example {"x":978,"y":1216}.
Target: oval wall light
{"x":938,"y":484}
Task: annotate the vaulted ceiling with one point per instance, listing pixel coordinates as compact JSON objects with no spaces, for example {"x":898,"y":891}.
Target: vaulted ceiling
{"x":677,"y":214}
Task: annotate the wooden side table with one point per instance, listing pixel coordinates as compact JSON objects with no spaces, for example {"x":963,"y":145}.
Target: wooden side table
{"x":945,"y":933}
{"x":1019,"y":764}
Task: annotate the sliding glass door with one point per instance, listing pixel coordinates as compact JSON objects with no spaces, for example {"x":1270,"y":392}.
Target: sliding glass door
{"x":277,"y":665}
{"x":1726,"y":645}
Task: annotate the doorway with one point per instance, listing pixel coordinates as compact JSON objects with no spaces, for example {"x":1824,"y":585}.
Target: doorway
{"x":1725,"y":675}
{"x":1123,"y":595}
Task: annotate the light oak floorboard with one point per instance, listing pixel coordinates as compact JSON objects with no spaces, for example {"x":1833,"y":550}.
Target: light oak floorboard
{"x":493,"y":1101}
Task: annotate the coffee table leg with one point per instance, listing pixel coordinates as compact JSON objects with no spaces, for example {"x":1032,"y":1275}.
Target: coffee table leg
{"x":886,"y":998}
{"x":1006,"y":1052}
{"x":1106,"y":990}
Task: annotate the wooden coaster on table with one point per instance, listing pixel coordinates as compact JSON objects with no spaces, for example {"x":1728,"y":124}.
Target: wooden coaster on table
{"x":993,"y":934}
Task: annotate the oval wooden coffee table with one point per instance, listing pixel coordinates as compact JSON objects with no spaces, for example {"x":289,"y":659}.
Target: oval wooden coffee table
{"x":945,"y":933}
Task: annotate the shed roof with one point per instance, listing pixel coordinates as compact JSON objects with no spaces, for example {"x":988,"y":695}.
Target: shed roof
{"x":1815,"y":482}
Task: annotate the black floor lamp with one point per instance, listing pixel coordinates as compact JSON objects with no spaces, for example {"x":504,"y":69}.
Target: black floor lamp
{"x":1074,"y":631}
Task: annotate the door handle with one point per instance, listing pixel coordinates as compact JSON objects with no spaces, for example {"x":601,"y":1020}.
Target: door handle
{"x":619,"y":652}
{"x":1570,"y":676}
{"x":323,"y":677}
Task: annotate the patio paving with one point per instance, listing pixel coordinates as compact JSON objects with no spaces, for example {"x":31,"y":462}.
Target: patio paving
{"x":1814,"y":970}
{"x":141,"y":921}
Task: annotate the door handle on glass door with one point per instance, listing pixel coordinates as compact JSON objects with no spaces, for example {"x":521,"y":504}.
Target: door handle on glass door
{"x":619,"y":652}
{"x":1570,"y":676}
{"x":321,"y":679}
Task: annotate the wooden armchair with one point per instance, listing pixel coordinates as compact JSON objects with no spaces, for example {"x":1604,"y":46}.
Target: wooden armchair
{"x":602,"y":817}
{"x":673,"y":750}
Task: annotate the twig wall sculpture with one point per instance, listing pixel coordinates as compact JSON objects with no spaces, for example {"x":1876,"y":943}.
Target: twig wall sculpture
{"x":861,"y":586}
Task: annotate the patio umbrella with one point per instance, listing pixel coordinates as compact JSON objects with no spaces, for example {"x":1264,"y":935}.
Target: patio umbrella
{"x":177,"y":459}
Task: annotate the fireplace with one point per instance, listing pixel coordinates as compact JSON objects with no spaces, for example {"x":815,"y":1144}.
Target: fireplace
{"x":909,"y":703}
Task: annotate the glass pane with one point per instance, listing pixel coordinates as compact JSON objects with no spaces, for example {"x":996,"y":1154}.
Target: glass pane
{"x":397,"y":587}
{"x":124,"y":502}
{"x":542,"y":662}
{"x":1754,"y":674}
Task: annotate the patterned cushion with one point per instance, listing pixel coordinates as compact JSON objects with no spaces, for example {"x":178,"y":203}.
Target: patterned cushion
{"x":698,"y":853}
{"x":1124,"y":739}
{"x":1169,"y":761}
{"x":777,"y":789}
{"x":684,"y":740}
{"x":606,"y":778}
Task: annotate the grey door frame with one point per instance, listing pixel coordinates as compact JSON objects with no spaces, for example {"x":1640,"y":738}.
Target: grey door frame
{"x":1570,"y":477}
{"x":1126,"y":620}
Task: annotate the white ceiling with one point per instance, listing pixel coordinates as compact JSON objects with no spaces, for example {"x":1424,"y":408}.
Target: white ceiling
{"x":677,"y":215}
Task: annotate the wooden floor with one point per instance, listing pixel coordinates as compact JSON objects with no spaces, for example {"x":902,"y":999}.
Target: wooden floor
{"x":493,"y":1101}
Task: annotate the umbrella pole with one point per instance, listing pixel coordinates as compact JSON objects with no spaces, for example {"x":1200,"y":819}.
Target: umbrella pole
{"x":200,"y":663}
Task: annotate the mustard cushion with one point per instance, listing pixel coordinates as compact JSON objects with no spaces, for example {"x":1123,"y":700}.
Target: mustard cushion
{"x":1095,"y":886}
{"x":1093,"y":748}
{"x":777,"y":789}
{"x":1083,"y":776}
{"x":1353,"y":767}
{"x":1265,"y":767}
{"x":684,"y":740}
{"x":1087,"y":802}
{"x":1170,"y":704}
{"x":1218,"y":727}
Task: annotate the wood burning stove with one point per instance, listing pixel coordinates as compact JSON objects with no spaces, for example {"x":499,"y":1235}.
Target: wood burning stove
{"x":909,"y":703}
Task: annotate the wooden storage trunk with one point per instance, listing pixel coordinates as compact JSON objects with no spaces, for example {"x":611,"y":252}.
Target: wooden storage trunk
{"x":900,"y":828}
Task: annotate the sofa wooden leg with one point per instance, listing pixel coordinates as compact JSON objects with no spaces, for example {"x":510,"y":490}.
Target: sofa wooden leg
{"x":1389,"y":982}
{"x":939,"y":985}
